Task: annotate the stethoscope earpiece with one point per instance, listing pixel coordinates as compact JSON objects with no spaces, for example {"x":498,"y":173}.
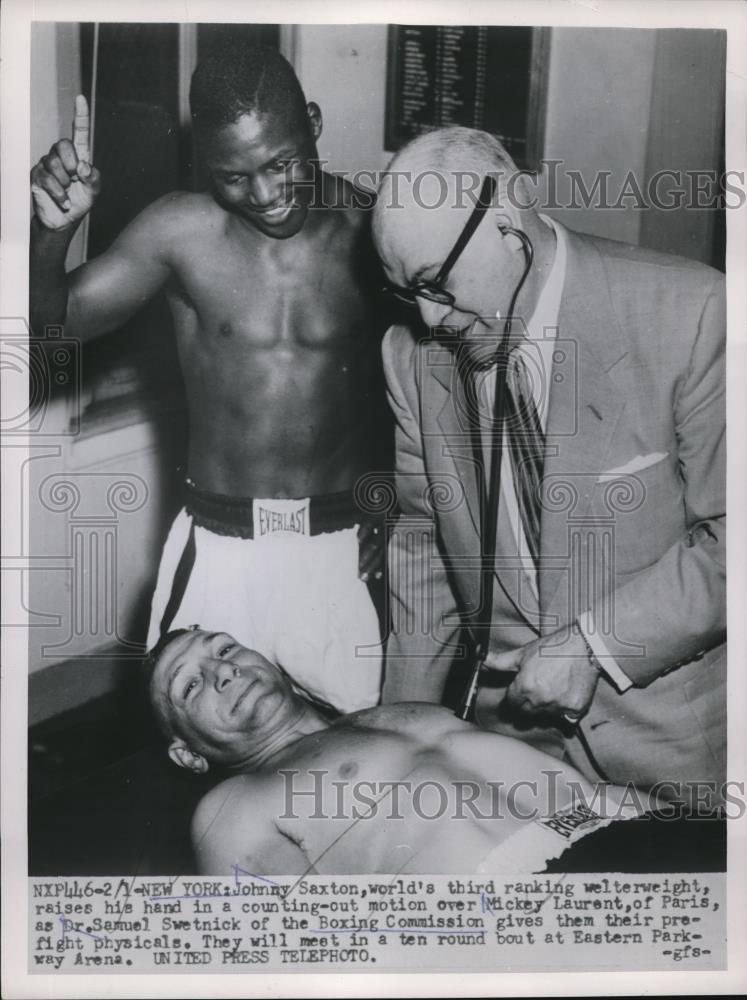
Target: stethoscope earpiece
{"x":520,"y":234}
{"x":526,"y":245}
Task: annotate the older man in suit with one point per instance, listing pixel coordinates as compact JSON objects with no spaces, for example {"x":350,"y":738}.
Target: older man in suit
{"x":609,"y":589}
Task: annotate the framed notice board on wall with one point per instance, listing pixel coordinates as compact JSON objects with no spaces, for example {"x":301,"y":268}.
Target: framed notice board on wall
{"x":484,"y":77}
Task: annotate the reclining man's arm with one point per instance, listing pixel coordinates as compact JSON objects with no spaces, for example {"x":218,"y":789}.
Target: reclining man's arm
{"x":101,"y":295}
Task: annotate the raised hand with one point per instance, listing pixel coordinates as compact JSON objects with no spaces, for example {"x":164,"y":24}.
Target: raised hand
{"x":64,"y":185}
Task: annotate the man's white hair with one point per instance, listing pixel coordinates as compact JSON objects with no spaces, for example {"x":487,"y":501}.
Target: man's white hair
{"x":455,"y":148}
{"x":459,"y":157}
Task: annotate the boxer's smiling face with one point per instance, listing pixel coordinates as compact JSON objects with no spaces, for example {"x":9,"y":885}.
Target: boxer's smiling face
{"x":227,"y":703}
{"x":261,"y":170}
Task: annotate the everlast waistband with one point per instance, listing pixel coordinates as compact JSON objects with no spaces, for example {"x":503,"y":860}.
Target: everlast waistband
{"x":250,"y":517}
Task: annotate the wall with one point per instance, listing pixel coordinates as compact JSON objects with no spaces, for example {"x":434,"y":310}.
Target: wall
{"x":598,"y":98}
{"x":598,"y":107}
{"x":601,"y":86}
{"x":686,"y":129}
{"x":343,"y":69}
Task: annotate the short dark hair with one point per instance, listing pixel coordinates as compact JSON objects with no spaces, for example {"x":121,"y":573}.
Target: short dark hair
{"x":241,"y":78}
{"x":150,"y":662}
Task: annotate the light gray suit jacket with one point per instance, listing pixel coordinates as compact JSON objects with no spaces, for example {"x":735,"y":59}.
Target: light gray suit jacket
{"x":633,"y":519}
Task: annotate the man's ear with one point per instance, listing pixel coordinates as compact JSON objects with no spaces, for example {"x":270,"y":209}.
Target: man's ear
{"x":182,"y":756}
{"x":315,"y":119}
{"x":504,"y":223}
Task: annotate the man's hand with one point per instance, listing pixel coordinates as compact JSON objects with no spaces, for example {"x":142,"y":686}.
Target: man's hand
{"x":554,"y":675}
{"x":64,"y":185}
{"x":371,"y":551}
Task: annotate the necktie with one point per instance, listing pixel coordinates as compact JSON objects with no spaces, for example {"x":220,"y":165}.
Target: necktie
{"x":515,"y":422}
{"x":526,"y":443}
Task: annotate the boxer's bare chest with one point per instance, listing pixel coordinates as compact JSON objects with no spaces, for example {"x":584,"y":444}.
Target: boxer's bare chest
{"x":235,"y":291}
{"x":277,"y":345}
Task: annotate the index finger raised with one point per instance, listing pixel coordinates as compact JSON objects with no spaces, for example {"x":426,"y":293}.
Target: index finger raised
{"x":82,"y":129}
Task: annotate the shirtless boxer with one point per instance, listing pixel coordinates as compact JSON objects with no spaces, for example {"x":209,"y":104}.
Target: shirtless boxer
{"x":319,"y":797}
{"x":269,"y":278}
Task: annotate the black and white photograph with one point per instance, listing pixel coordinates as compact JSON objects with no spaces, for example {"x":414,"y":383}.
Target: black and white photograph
{"x":364,"y":443}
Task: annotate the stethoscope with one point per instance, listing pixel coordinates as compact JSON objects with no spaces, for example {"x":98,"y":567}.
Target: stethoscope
{"x":480,"y":630}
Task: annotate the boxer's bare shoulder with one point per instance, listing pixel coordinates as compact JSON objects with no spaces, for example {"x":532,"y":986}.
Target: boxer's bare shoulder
{"x":177,"y":216}
{"x":219,"y":807}
{"x":235,"y":824}
{"x":348,"y":209}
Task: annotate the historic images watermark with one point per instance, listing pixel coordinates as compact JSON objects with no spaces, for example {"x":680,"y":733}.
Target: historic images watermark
{"x":553,"y":186}
{"x":553,"y":799}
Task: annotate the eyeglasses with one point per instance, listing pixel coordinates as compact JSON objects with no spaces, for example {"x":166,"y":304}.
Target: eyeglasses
{"x":433,"y":290}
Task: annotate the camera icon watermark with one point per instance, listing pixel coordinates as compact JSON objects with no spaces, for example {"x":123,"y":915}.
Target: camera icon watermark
{"x":35,"y":371}
{"x":465,"y":364}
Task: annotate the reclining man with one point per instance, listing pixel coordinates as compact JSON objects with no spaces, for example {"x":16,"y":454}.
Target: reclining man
{"x":270,"y":277}
{"x":399,"y":788}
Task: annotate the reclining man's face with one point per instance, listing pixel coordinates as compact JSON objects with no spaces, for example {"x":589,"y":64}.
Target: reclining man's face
{"x":223,"y":702}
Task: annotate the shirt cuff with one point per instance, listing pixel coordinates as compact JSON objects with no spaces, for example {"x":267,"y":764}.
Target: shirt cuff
{"x":607,"y":664}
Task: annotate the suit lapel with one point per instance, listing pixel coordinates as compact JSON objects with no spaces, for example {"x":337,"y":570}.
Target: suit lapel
{"x":445,"y":393}
{"x":585,"y":407}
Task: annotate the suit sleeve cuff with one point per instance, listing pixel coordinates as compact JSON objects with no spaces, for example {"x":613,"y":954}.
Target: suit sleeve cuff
{"x":607,"y":663}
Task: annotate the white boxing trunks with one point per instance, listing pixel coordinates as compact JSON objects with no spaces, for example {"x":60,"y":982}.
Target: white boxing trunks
{"x":545,"y":838}
{"x":281,"y":577}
